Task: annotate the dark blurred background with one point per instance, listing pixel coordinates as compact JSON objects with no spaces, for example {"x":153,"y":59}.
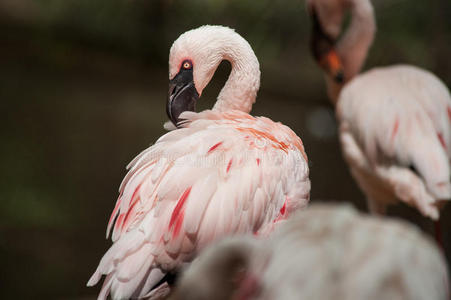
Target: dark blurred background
{"x":83,"y":87}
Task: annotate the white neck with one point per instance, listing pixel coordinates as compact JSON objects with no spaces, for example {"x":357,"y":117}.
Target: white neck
{"x":240,"y":90}
{"x":207,"y":46}
{"x":353,"y":46}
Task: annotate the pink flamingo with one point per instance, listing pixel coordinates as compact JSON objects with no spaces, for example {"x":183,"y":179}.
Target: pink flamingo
{"x":323,"y":252}
{"x":394,"y":121}
{"x":221,"y":172}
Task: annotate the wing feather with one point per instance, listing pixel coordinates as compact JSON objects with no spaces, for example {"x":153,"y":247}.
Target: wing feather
{"x":195,"y":210}
{"x":195,"y":185}
{"x":403,"y":122}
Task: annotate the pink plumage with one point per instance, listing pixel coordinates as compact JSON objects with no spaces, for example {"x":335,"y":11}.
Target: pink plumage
{"x":398,"y":150}
{"x":324,"y":252}
{"x":222,"y":172}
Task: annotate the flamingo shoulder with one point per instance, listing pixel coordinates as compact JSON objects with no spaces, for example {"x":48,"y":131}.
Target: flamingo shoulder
{"x":256,"y":130}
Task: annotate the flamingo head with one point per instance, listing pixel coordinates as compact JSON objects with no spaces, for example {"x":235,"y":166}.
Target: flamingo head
{"x":327,"y":17}
{"x":193,"y":60}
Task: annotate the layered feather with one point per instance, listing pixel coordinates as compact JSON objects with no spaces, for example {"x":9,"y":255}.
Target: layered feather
{"x":221,"y":174}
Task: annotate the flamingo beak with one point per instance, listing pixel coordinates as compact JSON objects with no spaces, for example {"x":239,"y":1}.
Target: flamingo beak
{"x":323,"y":50}
{"x":332,"y":64}
{"x":182,"y":95}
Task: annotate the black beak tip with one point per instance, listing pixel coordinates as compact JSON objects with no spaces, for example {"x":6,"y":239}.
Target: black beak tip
{"x":339,"y":77}
{"x":180,"y":99}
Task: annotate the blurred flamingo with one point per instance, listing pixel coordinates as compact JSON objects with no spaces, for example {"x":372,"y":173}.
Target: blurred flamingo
{"x":221,"y":172}
{"x":394,"y":121}
{"x":323,"y":252}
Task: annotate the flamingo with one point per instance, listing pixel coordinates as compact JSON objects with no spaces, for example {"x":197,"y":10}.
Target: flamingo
{"x":221,"y":172}
{"x":323,"y":252}
{"x":394,"y":122}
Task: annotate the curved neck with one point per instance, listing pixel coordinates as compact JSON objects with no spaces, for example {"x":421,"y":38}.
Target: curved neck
{"x":240,"y":90}
{"x":353,"y":46}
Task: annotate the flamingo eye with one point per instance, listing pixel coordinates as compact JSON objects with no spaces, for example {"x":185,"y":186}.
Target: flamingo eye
{"x":187,"y":65}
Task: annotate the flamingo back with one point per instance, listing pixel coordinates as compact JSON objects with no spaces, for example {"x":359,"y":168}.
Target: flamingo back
{"x":221,"y":174}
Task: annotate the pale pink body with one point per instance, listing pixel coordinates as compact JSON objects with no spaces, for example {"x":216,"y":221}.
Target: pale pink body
{"x":324,"y":252}
{"x":394,"y":121}
{"x":401,"y":120}
{"x":224,"y":172}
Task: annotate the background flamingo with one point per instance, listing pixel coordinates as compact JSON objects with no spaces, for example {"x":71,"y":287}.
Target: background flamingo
{"x":222,"y":172}
{"x":394,"y":121}
{"x":323,"y":252}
